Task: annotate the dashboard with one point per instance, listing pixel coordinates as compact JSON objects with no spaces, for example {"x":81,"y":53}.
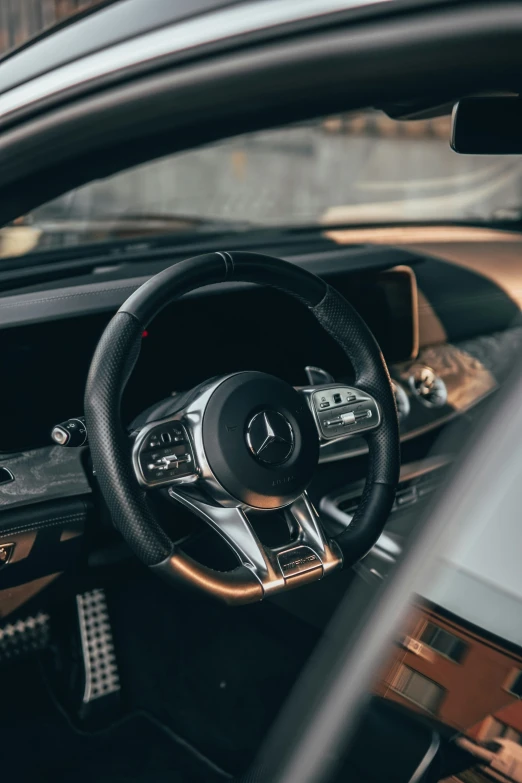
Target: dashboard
{"x":192,"y":340}
{"x":448,"y":335}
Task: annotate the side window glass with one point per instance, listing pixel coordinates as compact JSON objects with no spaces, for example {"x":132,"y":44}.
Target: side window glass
{"x":443,"y":642}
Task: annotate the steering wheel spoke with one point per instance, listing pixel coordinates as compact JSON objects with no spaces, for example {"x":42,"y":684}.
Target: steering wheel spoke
{"x":342,"y":412}
{"x":309,"y":540}
{"x":305,"y":559}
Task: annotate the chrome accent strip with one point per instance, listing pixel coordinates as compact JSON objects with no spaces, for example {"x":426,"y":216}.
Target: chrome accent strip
{"x":11,"y":475}
{"x":426,"y":759}
{"x":454,"y":113}
{"x":180,"y":37}
{"x":233,"y":526}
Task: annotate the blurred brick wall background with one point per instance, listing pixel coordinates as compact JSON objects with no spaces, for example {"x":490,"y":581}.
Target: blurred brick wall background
{"x":21,"y":20}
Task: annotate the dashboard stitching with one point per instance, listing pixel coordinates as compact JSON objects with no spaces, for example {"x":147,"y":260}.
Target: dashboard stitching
{"x":131,"y":288}
{"x":448,"y":306}
{"x":40,"y":525}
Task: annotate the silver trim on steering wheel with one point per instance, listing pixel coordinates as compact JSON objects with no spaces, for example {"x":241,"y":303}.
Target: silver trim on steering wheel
{"x":189,"y":419}
{"x":307,"y":557}
{"x":339,"y":412}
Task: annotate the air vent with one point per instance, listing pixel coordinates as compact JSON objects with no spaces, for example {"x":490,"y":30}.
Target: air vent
{"x":429,"y":389}
{"x":402,"y":401}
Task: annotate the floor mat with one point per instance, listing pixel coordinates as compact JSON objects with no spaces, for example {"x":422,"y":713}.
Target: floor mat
{"x":216,"y":675}
{"x":39,"y":744}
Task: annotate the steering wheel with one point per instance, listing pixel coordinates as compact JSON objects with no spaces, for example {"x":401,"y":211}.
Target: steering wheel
{"x":242,"y":441}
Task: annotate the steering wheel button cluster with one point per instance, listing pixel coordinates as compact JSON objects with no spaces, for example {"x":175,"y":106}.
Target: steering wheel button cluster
{"x":163,"y":435}
{"x":354,"y":411}
{"x":333,"y":397}
{"x":167,"y":451}
{"x":165,"y":454}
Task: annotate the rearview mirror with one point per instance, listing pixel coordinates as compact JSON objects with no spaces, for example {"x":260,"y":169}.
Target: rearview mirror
{"x":487,"y":126}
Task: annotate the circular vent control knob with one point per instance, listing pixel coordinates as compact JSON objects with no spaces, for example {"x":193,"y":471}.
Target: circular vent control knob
{"x":429,"y":388}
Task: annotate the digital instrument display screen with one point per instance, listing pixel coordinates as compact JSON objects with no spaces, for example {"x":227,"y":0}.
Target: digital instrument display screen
{"x":388,"y":304}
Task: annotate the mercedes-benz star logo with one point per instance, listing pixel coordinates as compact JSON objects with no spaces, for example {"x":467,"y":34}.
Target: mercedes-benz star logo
{"x":270,"y":437}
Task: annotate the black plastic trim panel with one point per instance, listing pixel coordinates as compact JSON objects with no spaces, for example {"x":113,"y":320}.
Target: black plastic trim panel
{"x":55,"y":472}
{"x":47,"y":538}
{"x":97,"y":297}
{"x":42,"y":515}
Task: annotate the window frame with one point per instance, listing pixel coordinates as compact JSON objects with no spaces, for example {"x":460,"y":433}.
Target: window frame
{"x":439,"y":629}
{"x":514,"y":675}
{"x":429,"y":680}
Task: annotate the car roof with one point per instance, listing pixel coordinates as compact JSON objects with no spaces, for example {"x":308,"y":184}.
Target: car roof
{"x":97,"y":29}
{"x":117,"y":21}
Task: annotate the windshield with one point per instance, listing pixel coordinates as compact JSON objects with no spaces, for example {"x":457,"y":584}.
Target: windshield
{"x":353,"y":169}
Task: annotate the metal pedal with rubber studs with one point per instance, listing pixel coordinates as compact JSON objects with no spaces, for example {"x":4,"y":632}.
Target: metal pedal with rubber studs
{"x":24,"y":637}
{"x":100,"y":667}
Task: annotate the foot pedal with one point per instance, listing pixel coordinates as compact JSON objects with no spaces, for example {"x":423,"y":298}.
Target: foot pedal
{"x":24,"y":637}
{"x":101,"y":682}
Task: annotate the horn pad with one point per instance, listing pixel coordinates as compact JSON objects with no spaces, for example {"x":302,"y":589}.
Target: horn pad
{"x":260,"y":440}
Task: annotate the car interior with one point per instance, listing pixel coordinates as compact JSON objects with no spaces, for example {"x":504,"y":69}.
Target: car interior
{"x":224,"y":422}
